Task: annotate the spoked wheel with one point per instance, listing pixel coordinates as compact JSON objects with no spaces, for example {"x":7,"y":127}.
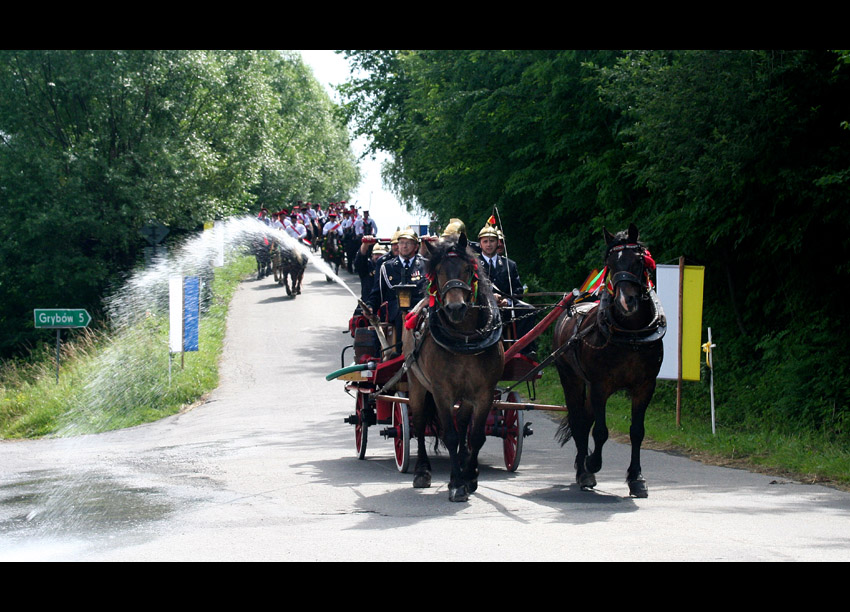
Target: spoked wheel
{"x":514,"y":430}
{"x":361,"y":427}
{"x":401,"y":439}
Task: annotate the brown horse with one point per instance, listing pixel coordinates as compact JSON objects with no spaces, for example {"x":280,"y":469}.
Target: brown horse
{"x":455,"y":356}
{"x":291,"y":266}
{"x":615,"y":345}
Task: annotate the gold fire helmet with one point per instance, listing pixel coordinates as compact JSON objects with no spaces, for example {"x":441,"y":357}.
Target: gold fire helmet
{"x":488,"y":230}
{"x":408,"y":233}
{"x":455,"y":227}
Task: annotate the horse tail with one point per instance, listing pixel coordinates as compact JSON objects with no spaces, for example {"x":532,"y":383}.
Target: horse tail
{"x":564,"y":433}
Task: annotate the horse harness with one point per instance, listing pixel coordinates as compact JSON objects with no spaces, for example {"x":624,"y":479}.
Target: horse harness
{"x":581,"y":309}
{"x":429,"y":320}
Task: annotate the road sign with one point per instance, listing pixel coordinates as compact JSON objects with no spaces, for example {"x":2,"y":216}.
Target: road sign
{"x":154,"y":233}
{"x":61,"y":317}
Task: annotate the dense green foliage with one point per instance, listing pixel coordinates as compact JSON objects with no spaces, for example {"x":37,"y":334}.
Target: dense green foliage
{"x":737,"y":160}
{"x":96,"y":144}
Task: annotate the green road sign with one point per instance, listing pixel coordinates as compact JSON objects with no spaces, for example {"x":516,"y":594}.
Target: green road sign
{"x":61,"y":317}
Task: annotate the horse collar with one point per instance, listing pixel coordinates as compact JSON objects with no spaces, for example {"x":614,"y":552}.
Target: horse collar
{"x":653,"y":332}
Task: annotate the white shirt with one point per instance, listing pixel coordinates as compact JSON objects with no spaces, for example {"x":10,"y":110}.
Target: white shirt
{"x":296,"y":230}
{"x":333,"y":226}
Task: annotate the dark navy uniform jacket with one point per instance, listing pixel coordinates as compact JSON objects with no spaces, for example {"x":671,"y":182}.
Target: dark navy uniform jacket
{"x":504,"y":277}
{"x":393,"y":273}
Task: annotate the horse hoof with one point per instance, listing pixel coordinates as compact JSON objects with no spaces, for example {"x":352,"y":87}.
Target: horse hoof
{"x":472,"y":485}
{"x":638,"y":488}
{"x":459,"y":494}
{"x":593,"y":464}
{"x":421,"y":481}
{"x":586,"y":481}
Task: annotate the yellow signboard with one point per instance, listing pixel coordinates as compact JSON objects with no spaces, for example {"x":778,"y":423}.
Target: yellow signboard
{"x":692,"y":321}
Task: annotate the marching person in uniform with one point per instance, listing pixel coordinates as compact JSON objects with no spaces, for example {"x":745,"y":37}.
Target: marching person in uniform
{"x":365,"y":226}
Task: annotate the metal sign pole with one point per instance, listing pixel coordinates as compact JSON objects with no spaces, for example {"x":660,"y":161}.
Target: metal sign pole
{"x":59,"y":319}
{"x":710,"y":360}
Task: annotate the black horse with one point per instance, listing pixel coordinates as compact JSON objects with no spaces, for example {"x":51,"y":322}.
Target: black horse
{"x":455,"y":356}
{"x":262,"y":248}
{"x":614,"y":345}
{"x":332,"y":252}
{"x":289,"y":264}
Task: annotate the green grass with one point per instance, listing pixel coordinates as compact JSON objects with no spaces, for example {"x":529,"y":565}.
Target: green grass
{"x":110,"y":381}
{"x":808,"y":456}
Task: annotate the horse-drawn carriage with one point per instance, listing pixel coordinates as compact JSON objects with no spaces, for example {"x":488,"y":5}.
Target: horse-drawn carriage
{"x":600,"y":346}
{"x":379,"y":388}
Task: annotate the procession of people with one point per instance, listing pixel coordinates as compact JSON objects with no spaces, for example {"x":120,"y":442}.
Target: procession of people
{"x":392,"y":271}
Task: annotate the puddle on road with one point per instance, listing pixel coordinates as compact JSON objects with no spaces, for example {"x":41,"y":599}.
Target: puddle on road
{"x":65,"y":508}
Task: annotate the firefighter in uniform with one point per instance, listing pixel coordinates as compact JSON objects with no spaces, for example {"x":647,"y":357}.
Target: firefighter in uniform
{"x":400,"y":284}
{"x":506,"y":283}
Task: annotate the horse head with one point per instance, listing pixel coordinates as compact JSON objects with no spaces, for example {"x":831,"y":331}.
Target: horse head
{"x":627,"y":262}
{"x":453,"y":276}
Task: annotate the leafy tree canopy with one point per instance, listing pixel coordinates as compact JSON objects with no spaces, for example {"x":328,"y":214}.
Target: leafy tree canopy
{"x":95,"y":144}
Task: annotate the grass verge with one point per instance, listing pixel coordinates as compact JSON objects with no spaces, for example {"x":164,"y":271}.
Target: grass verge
{"x":120,"y":379}
{"x":806,"y":456}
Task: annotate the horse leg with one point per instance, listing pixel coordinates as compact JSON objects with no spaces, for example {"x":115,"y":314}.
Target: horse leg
{"x":576,"y":424}
{"x":598,"y":401}
{"x":477,"y":438}
{"x":421,"y":405}
{"x":634,"y":477}
{"x":458,"y":490}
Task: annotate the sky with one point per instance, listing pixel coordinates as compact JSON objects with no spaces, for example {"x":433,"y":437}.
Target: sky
{"x":332,"y":69}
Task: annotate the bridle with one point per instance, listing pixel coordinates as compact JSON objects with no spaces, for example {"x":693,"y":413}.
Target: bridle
{"x":485,"y":335}
{"x":641,"y":279}
{"x":657,"y":327}
{"x":437,"y":294}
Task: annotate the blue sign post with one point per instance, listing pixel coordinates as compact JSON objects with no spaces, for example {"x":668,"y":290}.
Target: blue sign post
{"x":184,"y":316}
{"x":191,"y":312}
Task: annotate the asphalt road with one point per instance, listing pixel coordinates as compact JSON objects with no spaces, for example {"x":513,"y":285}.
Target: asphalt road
{"x":265,"y":470}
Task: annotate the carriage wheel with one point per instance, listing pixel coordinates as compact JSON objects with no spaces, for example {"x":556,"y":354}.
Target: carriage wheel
{"x":361,"y":427}
{"x":514,"y":426}
{"x":401,"y":440}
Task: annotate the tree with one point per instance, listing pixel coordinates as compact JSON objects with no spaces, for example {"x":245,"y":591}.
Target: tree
{"x":94,"y":144}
